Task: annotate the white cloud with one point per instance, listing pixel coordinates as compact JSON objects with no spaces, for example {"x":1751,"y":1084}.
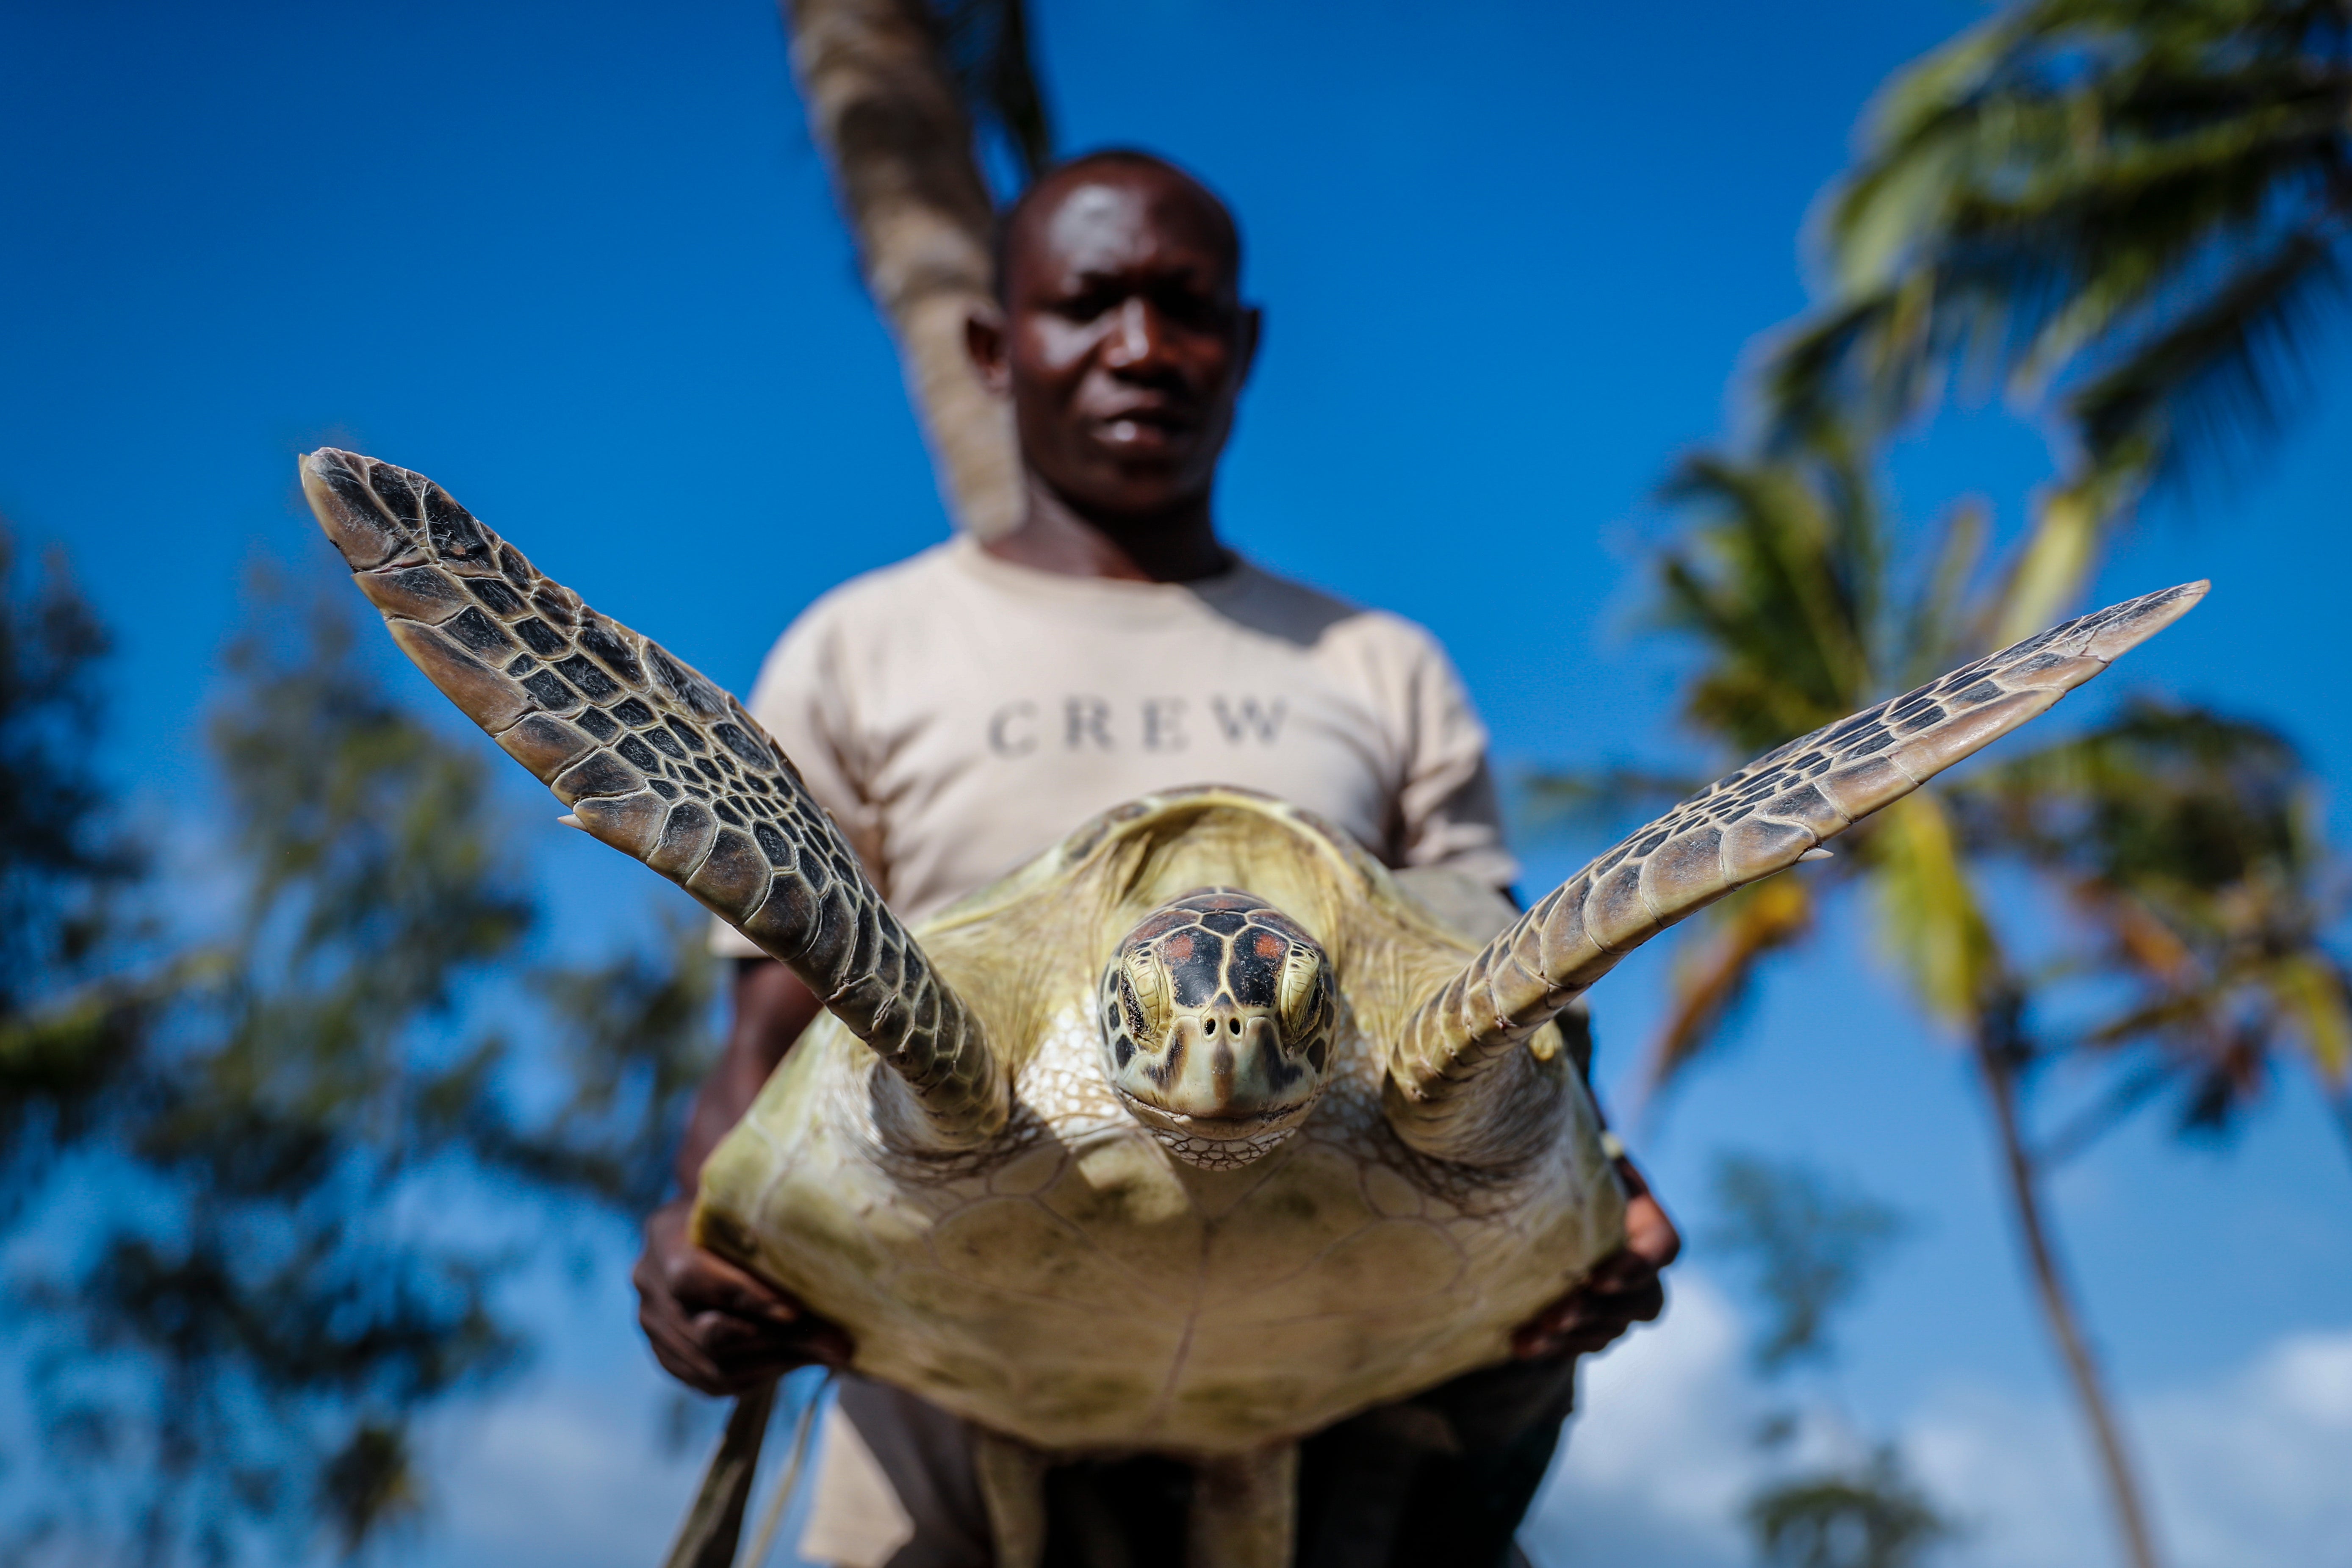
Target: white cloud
{"x":2249,"y":1469}
{"x":2267,"y":1473}
{"x":560,"y":1473}
{"x":1656,"y":1465}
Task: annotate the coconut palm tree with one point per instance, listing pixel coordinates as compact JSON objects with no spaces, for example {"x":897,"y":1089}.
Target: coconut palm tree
{"x":2183,"y":847}
{"x":894,"y":89}
{"x":2128,"y":213}
{"x":2188,"y":845}
{"x":2132,"y":213}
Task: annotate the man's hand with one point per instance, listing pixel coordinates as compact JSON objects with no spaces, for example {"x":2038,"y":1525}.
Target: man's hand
{"x":1621,"y":1291}
{"x":714,"y":1327}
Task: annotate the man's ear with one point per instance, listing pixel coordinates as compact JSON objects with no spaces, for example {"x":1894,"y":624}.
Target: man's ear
{"x":983,"y":340}
{"x":1252,"y":330}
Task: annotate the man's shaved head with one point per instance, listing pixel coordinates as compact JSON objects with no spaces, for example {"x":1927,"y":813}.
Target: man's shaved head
{"x":1177,"y":192}
{"x":1121,"y":342}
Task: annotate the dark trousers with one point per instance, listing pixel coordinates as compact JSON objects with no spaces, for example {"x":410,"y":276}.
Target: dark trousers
{"x":1439,"y":1481}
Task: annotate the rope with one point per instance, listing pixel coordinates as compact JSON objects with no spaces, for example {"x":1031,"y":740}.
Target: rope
{"x":789,"y":1482}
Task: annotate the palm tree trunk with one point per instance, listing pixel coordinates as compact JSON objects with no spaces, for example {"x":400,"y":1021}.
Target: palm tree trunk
{"x":1996,"y":1057}
{"x":884,"y":110}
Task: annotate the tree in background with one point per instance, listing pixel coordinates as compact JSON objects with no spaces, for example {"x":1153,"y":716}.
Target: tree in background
{"x":2186,"y":894}
{"x":61,"y":856}
{"x":1808,"y":1244}
{"x":2136,"y":214}
{"x":2131,"y":210}
{"x":894,"y":91}
{"x":219,"y":1151}
{"x":227,"y":1154}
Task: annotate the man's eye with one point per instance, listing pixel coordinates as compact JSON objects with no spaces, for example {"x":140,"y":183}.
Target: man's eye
{"x":1191,"y":309}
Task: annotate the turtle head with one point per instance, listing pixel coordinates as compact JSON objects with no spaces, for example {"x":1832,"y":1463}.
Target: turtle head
{"x":1217,"y":1014}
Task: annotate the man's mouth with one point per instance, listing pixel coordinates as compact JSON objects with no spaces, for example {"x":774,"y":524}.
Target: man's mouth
{"x":1146,"y":427}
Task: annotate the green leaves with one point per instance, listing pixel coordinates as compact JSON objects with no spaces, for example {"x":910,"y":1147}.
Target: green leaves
{"x":60,"y":856}
{"x":2144,"y":205}
{"x":1808,"y":1243}
{"x":1784,"y":579}
{"x":1927,"y":913}
{"x":1873,"y":1516}
{"x":251,"y":1147}
{"x":1808,"y":1240}
{"x":2188,"y":845}
{"x":2131,"y":211}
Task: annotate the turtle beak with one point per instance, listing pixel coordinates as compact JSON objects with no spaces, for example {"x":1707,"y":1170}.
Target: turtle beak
{"x":1222,"y":1064}
{"x":1220,"y":1086}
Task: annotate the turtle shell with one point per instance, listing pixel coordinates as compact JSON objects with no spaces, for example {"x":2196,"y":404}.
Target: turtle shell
{"x":1076,"y":1284}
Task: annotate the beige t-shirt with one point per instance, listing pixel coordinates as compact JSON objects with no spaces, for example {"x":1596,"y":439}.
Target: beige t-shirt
{"x":958,"y":714}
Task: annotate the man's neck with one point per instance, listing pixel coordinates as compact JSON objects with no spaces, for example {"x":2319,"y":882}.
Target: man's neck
{"x":1181,"y":546}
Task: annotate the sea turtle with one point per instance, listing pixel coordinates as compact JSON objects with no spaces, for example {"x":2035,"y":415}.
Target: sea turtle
{"x":1198,"y":1132}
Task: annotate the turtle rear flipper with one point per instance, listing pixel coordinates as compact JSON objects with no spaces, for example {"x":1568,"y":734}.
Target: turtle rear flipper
{"x":659,"y":763}
{"x":1442,"y":1097}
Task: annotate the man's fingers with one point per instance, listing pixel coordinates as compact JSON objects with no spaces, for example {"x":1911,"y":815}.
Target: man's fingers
{"x":1649,"y":1234}
{"x":715,"y":1327}
{"x":737,"y":1346}
{"x":679,"y":1356}
{"x":703,"y":1281}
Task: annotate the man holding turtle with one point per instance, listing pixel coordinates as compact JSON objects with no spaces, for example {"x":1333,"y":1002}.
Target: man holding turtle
{"x":961,"y":711}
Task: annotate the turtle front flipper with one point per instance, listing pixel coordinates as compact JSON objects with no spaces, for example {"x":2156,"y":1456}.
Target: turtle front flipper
{"x":1442,"y":1097}
{"x":660,"y":763}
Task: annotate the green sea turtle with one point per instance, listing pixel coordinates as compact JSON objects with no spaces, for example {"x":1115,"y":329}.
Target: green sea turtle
{"x":1196,"y":1134}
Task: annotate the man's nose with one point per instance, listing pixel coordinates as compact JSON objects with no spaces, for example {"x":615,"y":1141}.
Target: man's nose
{"x":1138,"y":337}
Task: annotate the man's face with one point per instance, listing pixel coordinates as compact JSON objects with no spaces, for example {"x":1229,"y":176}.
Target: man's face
{"x":1123,"y":346}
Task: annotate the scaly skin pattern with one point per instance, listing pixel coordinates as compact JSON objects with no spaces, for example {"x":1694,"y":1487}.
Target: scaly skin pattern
{"x":1442,"y":1096}
{"x":1085,"y":1288}
{"x":658,"y":763}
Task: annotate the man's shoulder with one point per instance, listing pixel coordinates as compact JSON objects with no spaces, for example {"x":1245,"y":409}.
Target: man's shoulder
{"x":876,"y":598}
{"x":884,"y":588}
{"x":1328,"y":620}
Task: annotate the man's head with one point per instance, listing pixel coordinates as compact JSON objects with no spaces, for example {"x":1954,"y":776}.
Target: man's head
{"x":1123,"y":342}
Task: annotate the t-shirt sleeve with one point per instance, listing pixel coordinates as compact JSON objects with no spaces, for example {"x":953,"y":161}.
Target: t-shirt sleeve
{"x":1448,"y":811}
{"x":802,"y":700}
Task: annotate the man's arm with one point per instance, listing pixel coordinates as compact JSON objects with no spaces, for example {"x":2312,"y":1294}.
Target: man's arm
{"x":713,"y":1326}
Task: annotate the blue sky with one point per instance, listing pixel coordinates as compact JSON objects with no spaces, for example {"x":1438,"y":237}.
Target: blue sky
{"x":579,"y":262}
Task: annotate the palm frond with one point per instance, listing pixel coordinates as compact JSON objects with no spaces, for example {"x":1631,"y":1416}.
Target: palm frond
{"x":2128,"y":208}
{"x":1713,"y":976}
{"x":1783,"y":580}
{"x":2315,"y":992}
{"x":2218,"y":371}
{"x":1604,"y":800}
{"x":1929,"y":916}
{"x":2187,"y":845}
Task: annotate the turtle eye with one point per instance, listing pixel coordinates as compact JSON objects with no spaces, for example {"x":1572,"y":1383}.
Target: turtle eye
{"x":1297,"y":994}
{"x":1144,"y":988}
